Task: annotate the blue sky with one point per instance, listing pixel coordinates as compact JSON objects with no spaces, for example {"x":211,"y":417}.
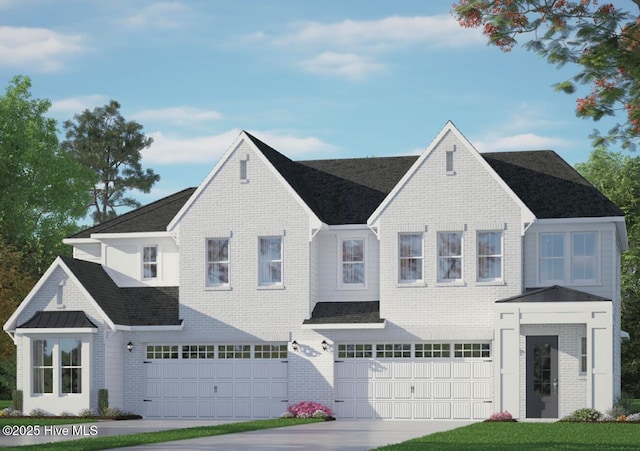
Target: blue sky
{"x":314,"y":79}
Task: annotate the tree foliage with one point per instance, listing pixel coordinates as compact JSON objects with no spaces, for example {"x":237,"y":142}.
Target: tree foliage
{"x":103,"y":141}
{"x":602,"y":40}
{"x":618,"y":177}
{"x":44,"y":191}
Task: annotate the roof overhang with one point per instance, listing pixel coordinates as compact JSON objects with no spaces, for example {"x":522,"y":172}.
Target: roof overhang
{"x":56,"y":330}
{"x":345,"y":326}
{"x":166,"y":328}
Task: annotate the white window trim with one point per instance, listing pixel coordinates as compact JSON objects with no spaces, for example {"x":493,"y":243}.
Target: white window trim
{"x":490,"y":280}
{"x":217,"y":286}
{"x":568,"y":260}
{"x":272,"y":285}
{"x":582,"y":355}
{"x":410,"y":282}
{"x":450,"y":282}
{"x":157,"y":262}
{"x":352,"y":286}
{"x":85,"y":359}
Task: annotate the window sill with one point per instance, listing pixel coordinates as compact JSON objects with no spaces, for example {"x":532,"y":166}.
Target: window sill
{"x":218,"y":288}
{"x":270,"y":287}
{"x":453,"y":283}
{"x":490,"y":283}
{"x":354,"y":287}
{"x":416,"y":284}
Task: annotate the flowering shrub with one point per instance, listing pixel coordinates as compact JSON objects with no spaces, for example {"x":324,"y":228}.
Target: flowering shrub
{"x":585,"y":414}
{"x":87,"y":413}
{"x":307,"y":409}
{"x":501,"y":416}
{"x":635,"y":418}
{"x":10,"y":412}
{"x":621,"y":418}
{"x":39,"y":413}
{"x":67,"y":414}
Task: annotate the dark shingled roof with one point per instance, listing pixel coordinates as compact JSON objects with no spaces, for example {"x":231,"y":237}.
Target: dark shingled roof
{"x":348,"y":191}
{"x":58,"y":319}
{"x":555,"y":293}
{"x":154,"y":217}
{"x":139,"y":306}
{"x":345,"y":313}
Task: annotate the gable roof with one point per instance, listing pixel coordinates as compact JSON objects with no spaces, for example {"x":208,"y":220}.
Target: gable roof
{"x":153,"y":217}
{"x":554,"y":293}
{"x":139,"y":306}
{"x":349,"y":191}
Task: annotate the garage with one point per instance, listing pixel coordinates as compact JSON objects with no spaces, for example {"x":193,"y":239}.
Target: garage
{"x":440,"y":381}
{"x":215,"y":381}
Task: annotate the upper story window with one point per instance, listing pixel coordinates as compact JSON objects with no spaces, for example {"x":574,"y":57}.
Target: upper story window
{"x":568,"y":257}
{"x":489,"y":255}
{"x":150,"y":262}
{"x":551,"y":257}
{"x":449,"y":256}
{"x":217,"y":261}
{"x":270,"y":260}
{"x":583,"y":256}
{"x":410,"y":250}
{"x":353,"y":262}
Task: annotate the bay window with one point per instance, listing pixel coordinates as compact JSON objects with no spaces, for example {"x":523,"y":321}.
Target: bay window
{"x":56,"y":365}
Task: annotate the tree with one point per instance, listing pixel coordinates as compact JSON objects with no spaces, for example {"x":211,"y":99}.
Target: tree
{"x":103,"y":141}
{"x":601,"y":40}
{"x":618,"y":177}
{"x":44,"y":191}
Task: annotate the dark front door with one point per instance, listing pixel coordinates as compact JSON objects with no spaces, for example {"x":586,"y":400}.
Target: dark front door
{"x":542,"y":376}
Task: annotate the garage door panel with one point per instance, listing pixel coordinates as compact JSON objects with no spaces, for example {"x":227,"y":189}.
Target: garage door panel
{"x":242,"y":389}
{"x":279,"y":370}
{"x":206,"y":370}
{"x":189,"y":408}
{"x":383,"y":390}
{"x":422,"y":390}
{"x":403,"y":410}
{"x":242,"y":408}
{"x":224,"y":408}
{"x":461,"y":411}
{"x":224,"y":389}
{"x":403,"y":390}
{"x":189,"y":370}
{"x":383,"y":371}
{"x":461,"y":370}
{"x":384,"y":410}
{"x":206,"y":409}
{"x":171,"y":389}
{"x":422,"y":410}
{"x":482,"y":390}
{"x":206,"y":389}
{"x":171,"y":371}
{"x":224,"y":370}
{"x":461,"y":390}
{"x":482,"y":370}
{"x":441,"y":411}
{"x":153,"y":389}
{"x":422,"y":370}
{"x":442,"y":370}
{"x":402,"y":370}
{"x":261,"y":409}
{"x":442,"y":390}
{"x":189,"y":389}
{"x":242,"y":370}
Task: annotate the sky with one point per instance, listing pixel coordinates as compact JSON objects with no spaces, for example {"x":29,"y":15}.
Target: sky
{"x":313,"y":79}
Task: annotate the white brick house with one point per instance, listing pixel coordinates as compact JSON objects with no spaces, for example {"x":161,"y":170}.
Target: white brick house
{"x":448,"y":285}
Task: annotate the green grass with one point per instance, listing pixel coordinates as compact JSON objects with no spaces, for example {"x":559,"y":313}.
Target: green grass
{"x":529,"y":436}
{"x":118,"y":441}
{"x":4,"y":403}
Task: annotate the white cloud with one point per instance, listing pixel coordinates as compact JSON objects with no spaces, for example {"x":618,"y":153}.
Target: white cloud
{"x":37,"y":48}
{"x":208,"y":149}
{"x":76,"y":105}
{"x":383,"y":34}
{"x":348,"y":65}
{"x":165,"y":15}
{"x":522,"y":141}
{"x":178,"y":115}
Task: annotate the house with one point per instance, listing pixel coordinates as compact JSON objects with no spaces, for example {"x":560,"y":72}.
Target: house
{"x":448,"y":285}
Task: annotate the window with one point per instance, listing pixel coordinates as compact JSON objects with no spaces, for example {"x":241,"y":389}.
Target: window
{"x":217,"y":261}
{"x":270,"y":351}
{"x":198,"y":351}
{"x":243,"y":170}
{"x":71,"y":365}
{"x":410,"y":245}
{"x":162,"y":352}
{"x":355,"y":351}
{"x":472,"y":350}
{"x":353,"y":261}
{"x":552,"y":257}
{"x":433,"y":350}
{"x":583,"y":355}
{"x":270,"y":261}
{"x":150,"y":262}
{"x":449,"y":256}
{"x":449,"y":163}
{"x":393,"y":350}
{"x":234,"y":351}
{"x":42,"y":363}
{"x":583,"y":256}
{"x":489,"y":255}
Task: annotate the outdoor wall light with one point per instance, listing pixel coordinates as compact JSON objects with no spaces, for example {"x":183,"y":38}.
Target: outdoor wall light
{"x":130,"y":346}
{"x":325,"y":345}
{"x":294,"y":345}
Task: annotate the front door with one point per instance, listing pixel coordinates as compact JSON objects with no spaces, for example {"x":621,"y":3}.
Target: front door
{"x":542,"y":376}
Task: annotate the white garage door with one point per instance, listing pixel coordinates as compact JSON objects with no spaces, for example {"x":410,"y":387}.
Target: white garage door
{"x":414,"y":381}
{"x":216,"y":381}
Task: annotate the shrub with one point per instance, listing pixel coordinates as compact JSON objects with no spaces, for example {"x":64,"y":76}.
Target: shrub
{"x":615,"y":412}
{"x":84,"y":413}
{"x":585,"y":414}
{"x":11,"y":412}
{"x":39,"y":413}
{"x":307,"y":409}
{"x":67,"y":414}
{"x":501,"y":416}
{"x":103,"y":401}
{"x":633,"y":418}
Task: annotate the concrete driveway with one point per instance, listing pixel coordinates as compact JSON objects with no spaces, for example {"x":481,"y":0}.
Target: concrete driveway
{"x":339,"y":435}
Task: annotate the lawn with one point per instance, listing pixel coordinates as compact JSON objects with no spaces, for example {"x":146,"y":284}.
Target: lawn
{"x":529,"y":436}
{"x":118,"y":441}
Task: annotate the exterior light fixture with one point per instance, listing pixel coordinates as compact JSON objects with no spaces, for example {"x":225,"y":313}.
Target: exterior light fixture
{"x":325,"y":345}
{"x":294,"y":345}
{"x":130,"y":346}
